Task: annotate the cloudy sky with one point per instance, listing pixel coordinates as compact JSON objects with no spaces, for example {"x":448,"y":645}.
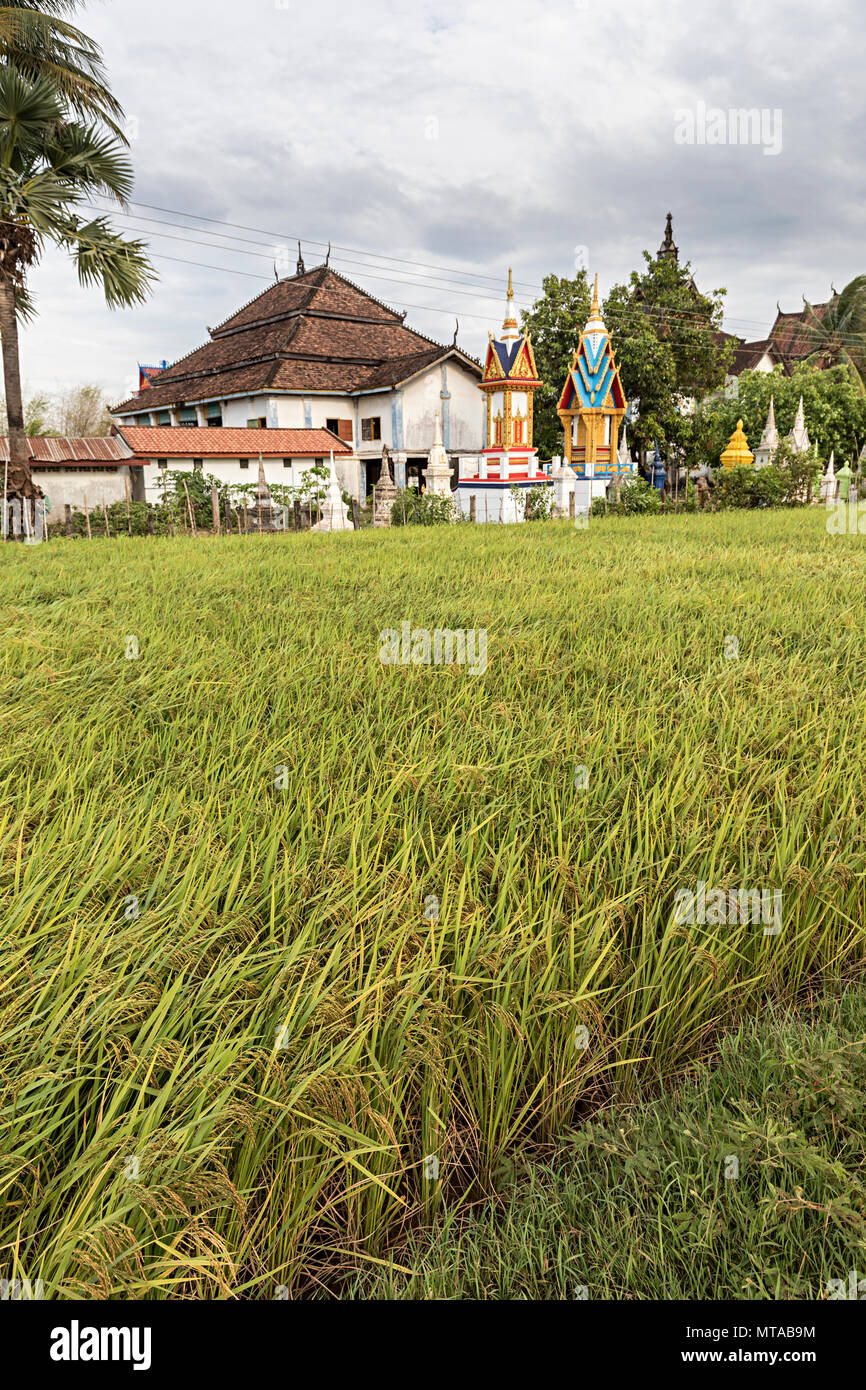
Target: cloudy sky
{"x":434,"y":144}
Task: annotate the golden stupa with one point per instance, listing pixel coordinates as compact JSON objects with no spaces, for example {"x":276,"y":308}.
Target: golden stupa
{"x":738,"y":454}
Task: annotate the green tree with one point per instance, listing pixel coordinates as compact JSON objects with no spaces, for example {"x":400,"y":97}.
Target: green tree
{"x":37,"y":39}
{"x":49,"y":166}
{"x":555,"y":322}
{"x":37,"y":416}
{"x":834,"y":408}
{"x":664,"y":333}
{"x":839,"y":338}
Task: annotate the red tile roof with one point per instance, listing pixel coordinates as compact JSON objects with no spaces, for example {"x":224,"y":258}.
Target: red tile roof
{"x":52,"y":449}
{"x":314,"y":332}
{"x":176,"y":441}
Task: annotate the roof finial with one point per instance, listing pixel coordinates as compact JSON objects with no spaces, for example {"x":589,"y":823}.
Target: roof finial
{"x":456,"y":331}
{"x":668,"y":247}
{"x":301,"y":267}
{"x":328,"y":257}
{"x":509,"y":326}
{"x":593,"y":310}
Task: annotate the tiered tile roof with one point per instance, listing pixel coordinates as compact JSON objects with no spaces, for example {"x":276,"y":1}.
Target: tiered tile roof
{"x":315,"y":331}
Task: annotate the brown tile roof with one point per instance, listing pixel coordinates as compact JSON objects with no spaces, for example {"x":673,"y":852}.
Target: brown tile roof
{"x":167,"y":441}
{"x":53,"y":449}
{"x":794,"y":333}
{"x":314,"y":332}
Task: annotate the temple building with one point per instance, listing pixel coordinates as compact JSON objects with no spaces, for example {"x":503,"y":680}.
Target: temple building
{"x":508,"y":458}
{"x":315,"y":352}
{"x":591,"y":407}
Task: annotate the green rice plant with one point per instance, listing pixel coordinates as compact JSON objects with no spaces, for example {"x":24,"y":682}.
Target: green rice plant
{"x":300,"y":947}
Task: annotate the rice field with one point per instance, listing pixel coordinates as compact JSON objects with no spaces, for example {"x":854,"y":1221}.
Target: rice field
{"x":300,"y":948}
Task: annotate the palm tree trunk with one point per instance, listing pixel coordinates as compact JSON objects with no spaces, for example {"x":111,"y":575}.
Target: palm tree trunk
{"x":21,"y":482}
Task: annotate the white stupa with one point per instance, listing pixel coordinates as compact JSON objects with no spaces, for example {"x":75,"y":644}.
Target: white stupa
{"x":828,"y":482}
{"x":563,"y":478}
{"x":799,"y":435}
{"x":437,"y":474}
{"x":335,"y":513}
{"x":769,"y":439}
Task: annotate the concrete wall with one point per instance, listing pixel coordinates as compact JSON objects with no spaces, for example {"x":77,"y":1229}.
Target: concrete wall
{"x":230,"y":471}
{"x":72,"y":484}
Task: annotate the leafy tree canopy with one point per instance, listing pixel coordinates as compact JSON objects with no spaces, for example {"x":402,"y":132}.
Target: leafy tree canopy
{"x":834,"y":409}
{"x":664,"y":333}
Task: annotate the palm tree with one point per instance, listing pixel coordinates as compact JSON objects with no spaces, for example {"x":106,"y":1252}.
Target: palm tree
{"x":839,"y":337}
{"x":49,"y":166}
{"x":39,"y":41}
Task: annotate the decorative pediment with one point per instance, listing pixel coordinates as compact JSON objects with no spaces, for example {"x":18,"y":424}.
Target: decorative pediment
{"x":493,"y":367}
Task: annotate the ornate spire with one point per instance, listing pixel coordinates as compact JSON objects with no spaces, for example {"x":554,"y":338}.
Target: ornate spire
{"x":509,"y":326}
{"x":668,"y":247}
{"x":770,"y":437}
{"x":799,"y":435}
{"x":595,"y":325}
{"x":623,"y":457}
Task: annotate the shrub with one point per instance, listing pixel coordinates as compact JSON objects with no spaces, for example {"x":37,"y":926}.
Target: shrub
{"x":636,"y":496}
{"x":413,"y":508}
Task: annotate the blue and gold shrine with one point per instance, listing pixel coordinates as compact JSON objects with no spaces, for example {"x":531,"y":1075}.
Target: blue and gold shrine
{"x":592,"y":404}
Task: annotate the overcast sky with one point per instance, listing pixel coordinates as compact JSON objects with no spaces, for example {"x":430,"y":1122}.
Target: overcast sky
{"x":464,"y":137}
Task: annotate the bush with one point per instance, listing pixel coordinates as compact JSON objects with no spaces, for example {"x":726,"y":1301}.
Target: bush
{"x":533,"y":503}
{"x":749,"y":487}
{"x":636,"y":497}
{"x":413,"y":508}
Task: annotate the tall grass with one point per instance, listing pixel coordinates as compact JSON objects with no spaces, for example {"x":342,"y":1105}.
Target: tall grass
{"x":235,"y":1091}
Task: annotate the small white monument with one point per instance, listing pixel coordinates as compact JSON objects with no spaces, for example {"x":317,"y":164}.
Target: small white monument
{"x":828,"y":482}
{"x":563,"y":478}
{"x":799,"y":435}
{"x":769,"y":439}
{"x":437,"y":474}
{"x":335,"y":513}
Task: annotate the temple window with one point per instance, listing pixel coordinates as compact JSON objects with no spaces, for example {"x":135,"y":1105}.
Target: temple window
{"x":372,"y":428}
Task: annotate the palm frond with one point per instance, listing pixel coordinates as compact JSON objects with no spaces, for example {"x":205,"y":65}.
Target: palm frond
{"x":105,"y":258}
{"x":37,"y":41}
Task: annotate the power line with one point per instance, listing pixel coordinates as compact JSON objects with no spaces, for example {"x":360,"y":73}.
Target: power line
{"x":662,"y":317}
{"x":310,"y":241}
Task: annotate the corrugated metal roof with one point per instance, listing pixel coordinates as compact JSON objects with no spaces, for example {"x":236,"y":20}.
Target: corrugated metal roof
{"x":45,"y":448}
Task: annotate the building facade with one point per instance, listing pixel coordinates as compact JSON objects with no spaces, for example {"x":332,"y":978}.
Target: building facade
{"x":315,"y":351}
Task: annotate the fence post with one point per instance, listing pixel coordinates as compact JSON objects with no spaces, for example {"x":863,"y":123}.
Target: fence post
{"x":189,"y":506}
{"x":67,"y":519}
{"x":87,"y":519}
{"x":128,"y":516}
{"x":215,"y":510}
{"x":356,"y":514}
